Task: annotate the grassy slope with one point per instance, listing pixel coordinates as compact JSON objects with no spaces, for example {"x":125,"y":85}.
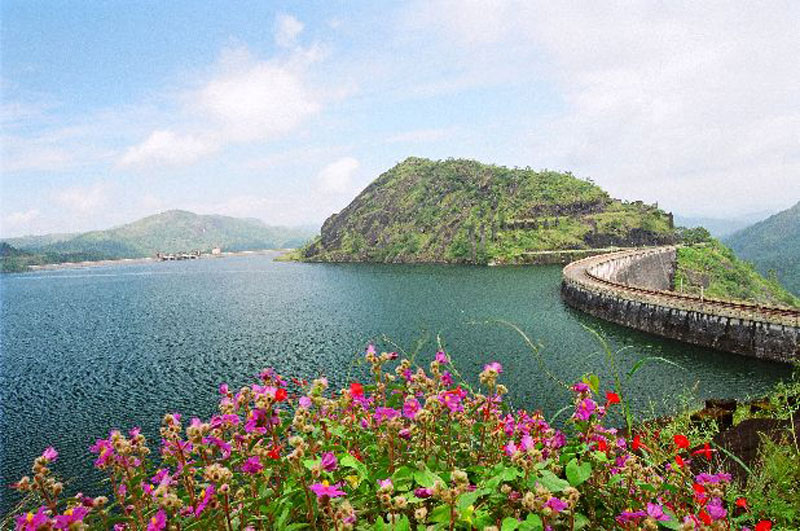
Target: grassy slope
{"x":465,"y":211}
{"x":724,"y":276}
{"x":773,"y":244}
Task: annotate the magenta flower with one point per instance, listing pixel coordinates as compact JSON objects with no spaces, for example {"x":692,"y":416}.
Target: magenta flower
{"x":656,"y":511}
{"x":422,"y":492}
{"x":50,"y":454}
{"x":329,"y":462}
{"x":410,"y":408}
{"x":510,"y":448}
{"x":325,"y":490}
{"x":158,"y":522}
{"x":446,"y":379}
{"x":527,"y":443}
{"x":385,"y":413}
{"x":580,"y":387}
{"x":556,"y":504}
{"x":626,"y":517}
{"x":71,"y":516}
{"x":31,"y":521}
{"x":715,"y":509}
{"x":493,"y":366}
{"x":441,"y":357}
{"x":252,"y":465}
{"x":208,"y":493}
{"x":385,"y":484}
{"x":224,"y":389}
{"x":224,"y":447}
{"x":585,"y":408}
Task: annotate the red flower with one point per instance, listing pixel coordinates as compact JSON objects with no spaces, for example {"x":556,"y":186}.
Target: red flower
{"x":698,"y":488}
{"x":637,"y":443}
{"x":612,"y":398}
{"x":679,"y":460}
{"x":681,"y":441}
{"x":275,"y":453}
{"x":281,"y":395}
{"x":705,"y":517}
{"x":764,"y":525}
{"x":704,"y":451}
{"x":356,"y":389}
{"x":741,"y":502}
{"x":602,"y":445}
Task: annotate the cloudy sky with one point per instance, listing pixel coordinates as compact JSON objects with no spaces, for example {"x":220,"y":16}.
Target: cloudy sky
{"x":285,"y":110}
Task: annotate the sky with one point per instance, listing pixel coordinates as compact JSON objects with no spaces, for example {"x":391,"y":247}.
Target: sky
{"x":285,"y":110}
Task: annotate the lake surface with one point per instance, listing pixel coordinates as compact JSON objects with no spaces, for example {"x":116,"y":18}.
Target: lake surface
{"x":87,"y":350}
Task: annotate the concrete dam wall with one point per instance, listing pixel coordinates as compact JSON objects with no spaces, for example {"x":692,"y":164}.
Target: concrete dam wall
{"x":633,"y":288}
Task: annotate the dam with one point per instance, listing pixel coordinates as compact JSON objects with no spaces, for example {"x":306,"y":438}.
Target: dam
{"x":633,"y":288}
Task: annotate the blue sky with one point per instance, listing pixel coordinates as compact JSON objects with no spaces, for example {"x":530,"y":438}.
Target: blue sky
{"x":285,"y":110}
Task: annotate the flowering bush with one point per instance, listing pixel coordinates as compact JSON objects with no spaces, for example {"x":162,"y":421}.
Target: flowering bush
{"x":411,"y":449}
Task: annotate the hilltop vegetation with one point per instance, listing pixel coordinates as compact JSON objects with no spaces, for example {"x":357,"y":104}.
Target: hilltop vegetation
{"x":773,"y":245}
{"x":722,"y":275}
{"x":462,"y":211}
{"x":169,"y":232}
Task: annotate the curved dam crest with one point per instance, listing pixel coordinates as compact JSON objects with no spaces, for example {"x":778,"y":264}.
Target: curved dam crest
{"x":633,"y":288}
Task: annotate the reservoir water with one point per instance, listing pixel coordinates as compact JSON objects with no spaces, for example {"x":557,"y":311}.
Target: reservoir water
{"x":86,"y":350}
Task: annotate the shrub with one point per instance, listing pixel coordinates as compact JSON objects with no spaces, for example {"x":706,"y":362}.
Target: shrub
{"x":413,"y":448}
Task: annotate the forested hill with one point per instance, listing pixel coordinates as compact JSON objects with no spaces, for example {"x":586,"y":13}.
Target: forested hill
{"x":463,"y":211}
{"x":773,"y":245}
{"x":167,"y":232}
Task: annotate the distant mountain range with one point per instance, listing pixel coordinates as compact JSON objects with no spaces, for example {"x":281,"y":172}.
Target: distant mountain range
{"x":721,"y":227}
{"x":168,"y":232}
{"x":773,"y":245}
{"x":463,"y":211}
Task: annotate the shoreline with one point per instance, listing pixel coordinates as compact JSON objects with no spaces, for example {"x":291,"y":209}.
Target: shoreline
{"x":145,"y":260}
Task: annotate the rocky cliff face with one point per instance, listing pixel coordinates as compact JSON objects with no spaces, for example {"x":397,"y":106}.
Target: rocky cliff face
{"x":462,"y":211}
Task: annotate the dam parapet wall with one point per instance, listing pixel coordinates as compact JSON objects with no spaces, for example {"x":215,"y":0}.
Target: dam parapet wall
{"x":633,"y":288}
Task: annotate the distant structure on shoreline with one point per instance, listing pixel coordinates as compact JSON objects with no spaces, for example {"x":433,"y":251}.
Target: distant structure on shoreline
{"x":165,"y":257}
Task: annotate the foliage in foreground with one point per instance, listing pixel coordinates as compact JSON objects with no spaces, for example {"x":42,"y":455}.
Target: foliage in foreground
{"x":410,"y":450}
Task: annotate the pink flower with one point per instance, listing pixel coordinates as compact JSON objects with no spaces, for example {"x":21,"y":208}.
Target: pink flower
{"x":385,"y":484}
{"x":50,"y":454}
{"x":325,"y":490}
{"x":385,"y":413}
{"x":31,"y":521}
{"x":158,"y":522}
{"x":71,"y":516}
{"x":329,"y":462}
{"x":208,"y":493}
{"x":715,"y":509}
{"x":441,"y":357}
{"x":446,"y":379}
{"x":656,"y":511}
{"x":410,"y":408}
{"x":527,"y":443}
{"x":493,"y":366}
{"x":510,"y":448}
{"x":224,"y":389}
{"x":423,"y":493}
{"x":252,"y":465}
{"x":585,"y":408}
{"x":580,"y":387}
{"x":556,"y":504}
{"x":304,"y":402}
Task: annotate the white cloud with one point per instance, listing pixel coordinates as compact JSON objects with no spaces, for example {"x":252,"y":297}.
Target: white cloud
{"x":663,"y":102}
{"x":337,"y":177}
{"x":19,"y":222}
{"x":287,"y":30}
{"x":83,"y":200}
{"x":245,"y":100}
{"x":165,"y":148}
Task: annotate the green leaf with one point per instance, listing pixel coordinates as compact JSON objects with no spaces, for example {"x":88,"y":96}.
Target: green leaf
{"x":531,"y":523}
{"x":552,"y":482}
{"x":509,"y":524}
{"x":309,"y":463}
{"x":426,"y":478}
{"x":402,"y":524}
{"x":593,"y":382}
{"x":581,"y":521}
{"x":351,"y":462}
{"x":468,"y":498}
{"x":578,"y":473}
{"x":440,"y":514}
{"x":672,"y":523}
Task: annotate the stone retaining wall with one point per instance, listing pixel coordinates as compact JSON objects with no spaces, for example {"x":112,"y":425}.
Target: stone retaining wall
{"x":613,"y":287}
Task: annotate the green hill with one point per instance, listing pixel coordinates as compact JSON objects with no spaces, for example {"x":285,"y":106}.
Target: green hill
{"x":773,"y":245}
{"x":462,"y":211}
{"x":722,"y":275}
{"x":169,"y":232}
